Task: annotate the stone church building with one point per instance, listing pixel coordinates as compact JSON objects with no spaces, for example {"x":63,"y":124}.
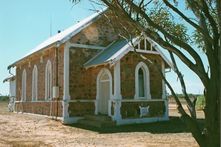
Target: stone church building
{"x":88,"y":69}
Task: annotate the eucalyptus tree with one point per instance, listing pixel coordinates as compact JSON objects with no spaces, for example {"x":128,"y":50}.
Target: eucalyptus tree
{"x":185,"y":29}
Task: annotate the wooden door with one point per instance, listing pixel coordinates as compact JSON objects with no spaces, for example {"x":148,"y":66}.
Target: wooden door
{"x":104,"y":94}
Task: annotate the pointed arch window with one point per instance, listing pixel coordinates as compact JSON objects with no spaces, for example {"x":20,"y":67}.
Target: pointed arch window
{"x":35,"y":83}
{"x":23,"y":89}
{"x":48,"y":81}
{"x":142,"y":82}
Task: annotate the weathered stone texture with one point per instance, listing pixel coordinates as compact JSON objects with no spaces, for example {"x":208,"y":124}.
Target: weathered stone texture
{"x":40,"y":60}
{"x":100,"y":33}
{"x":29,"y":63}
{"x":128,"y":65}
{"x":44,"y":108}
{"x":81,"y":108}
{"x":132,"y":110}
{"x":83,"y":81}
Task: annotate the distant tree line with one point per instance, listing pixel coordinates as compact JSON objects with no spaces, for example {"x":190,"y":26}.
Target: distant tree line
{"x":182,"y":95}
{"x":198,"y":99}
{"x":4,"y":98}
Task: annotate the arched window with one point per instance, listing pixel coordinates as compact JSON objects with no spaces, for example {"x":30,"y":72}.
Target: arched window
{"x":23,"y":86}
{"x":35,"y":83}
{"x":142,"y":82}
{"x":48,"y":81}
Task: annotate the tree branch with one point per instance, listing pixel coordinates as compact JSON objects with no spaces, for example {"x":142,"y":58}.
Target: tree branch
{"x":198,"y":67}
{"x":191,"y":122}
{"x":208,"y":46}
{"x":194,"y":6}
{"x":191,"y":106}
{"x":197,"y":27}
{"x":176,"y":41}
{"x":156,"y":37}
{"x":213,"y":24}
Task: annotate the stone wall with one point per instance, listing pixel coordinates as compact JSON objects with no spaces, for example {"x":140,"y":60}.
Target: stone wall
{"x":43,"y":108}
{"x":132,"y":110}
{"x":39,"y":59}
{"x":82,"y":80}
{"x":128,"y":65}
{"x":104,"y":30}
{"x":99,"y":33}
{"x":81,"y":108}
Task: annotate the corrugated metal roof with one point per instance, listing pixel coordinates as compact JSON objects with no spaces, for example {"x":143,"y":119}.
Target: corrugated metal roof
{"x":71,"y":31}
{"x":108,"y":54}
{"x":117,"y":50}
{"x":66,"y":34}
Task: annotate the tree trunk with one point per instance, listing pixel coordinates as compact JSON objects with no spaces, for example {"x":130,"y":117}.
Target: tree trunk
{"x":210,"y":137}
{"x":212,"y":110}
{"x":193,"y":126}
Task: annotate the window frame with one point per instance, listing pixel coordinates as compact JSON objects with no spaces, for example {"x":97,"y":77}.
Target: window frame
{"x":146,"y":76}
{"x":48,"y":80}
{"x":35,"y":83}
{"x":23,"y":86}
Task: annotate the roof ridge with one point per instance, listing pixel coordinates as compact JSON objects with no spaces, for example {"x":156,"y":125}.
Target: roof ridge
{"x":64,"y":35}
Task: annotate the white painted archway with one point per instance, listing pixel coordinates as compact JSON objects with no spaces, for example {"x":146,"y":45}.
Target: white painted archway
{"x":104,"y":92}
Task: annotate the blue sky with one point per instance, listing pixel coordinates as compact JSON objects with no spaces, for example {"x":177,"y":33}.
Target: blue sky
{"x":26,"y":23}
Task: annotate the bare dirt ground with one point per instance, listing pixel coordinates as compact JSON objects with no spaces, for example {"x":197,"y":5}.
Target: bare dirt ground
{"x":28,"y":130}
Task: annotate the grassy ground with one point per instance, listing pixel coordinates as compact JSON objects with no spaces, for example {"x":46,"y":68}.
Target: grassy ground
{"x":28,"y":130}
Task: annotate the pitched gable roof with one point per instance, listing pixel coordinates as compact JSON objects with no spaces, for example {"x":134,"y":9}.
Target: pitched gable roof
{"x":64,"y":35}
{"x":67,"y":33}
{"x":117,"y":50}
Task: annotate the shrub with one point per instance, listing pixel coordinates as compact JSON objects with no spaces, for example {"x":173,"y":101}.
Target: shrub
{"x":200,"y":102}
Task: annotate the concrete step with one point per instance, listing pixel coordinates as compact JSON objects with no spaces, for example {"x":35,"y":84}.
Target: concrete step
{"x":98,"y":117}
{"x":97,"y":121}
{"x":90,"y":123}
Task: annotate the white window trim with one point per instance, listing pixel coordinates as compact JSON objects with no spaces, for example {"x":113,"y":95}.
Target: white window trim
{"x":35,"y":83}
{"x":24,"y":80}
{"x":146,"y":81}
{"x":48,"y":68}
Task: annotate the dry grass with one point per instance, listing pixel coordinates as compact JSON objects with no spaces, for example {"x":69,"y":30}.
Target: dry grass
{"x":27,"y":130}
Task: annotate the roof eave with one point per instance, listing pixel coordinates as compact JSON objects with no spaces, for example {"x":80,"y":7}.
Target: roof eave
{"x":95,"y":65}
{"x":17,"y":62}
{"x":62,"y":40}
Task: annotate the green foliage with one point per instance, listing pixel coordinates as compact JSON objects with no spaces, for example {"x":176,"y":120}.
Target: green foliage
{"x":4,"y":98}
{"x":200,"y":102}
{"x":198,"y":37}
{"x":163,"y":17}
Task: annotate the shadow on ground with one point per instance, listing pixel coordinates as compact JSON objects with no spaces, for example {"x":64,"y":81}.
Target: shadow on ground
{"x":174,"y":125}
